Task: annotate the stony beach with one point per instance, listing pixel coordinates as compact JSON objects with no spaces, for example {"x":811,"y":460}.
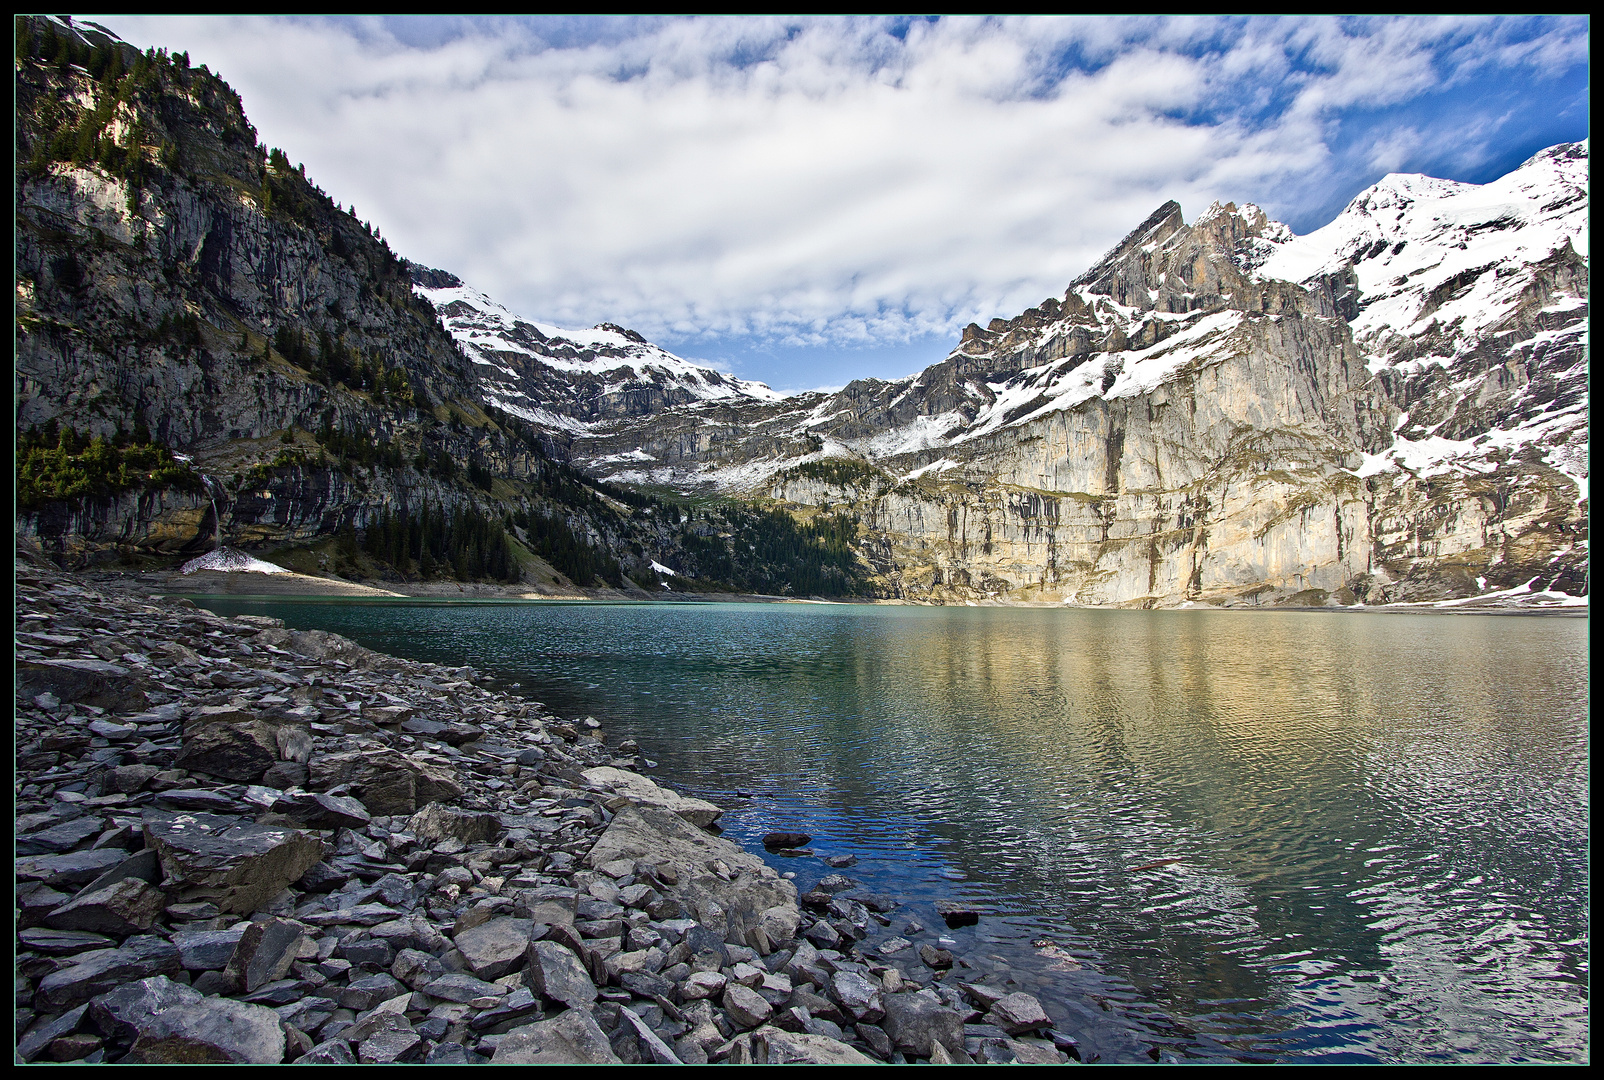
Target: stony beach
{"x":237,"y":842}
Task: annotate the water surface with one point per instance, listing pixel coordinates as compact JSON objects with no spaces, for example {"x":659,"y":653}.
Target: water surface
{"x":1305,"y":835}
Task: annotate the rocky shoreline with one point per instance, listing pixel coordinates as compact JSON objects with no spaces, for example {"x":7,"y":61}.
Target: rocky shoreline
{"x":242,"y":843}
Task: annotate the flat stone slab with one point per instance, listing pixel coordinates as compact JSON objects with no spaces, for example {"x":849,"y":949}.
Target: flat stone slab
{"x":644,"y":791}
{"x":242,"y":863}
{"x":676,"y":849}
{"x":571,"y":1038}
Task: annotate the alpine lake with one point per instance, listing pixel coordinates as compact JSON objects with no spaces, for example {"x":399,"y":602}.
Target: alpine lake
{"x":1195,"y":835}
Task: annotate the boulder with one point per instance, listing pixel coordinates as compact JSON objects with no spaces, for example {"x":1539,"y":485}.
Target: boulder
{"x":90,"y":682}
{"x":60,"y":837}
{"x":860,"y":998}
{"x":1019,"y":1013}
{"x":570,"y":1038}
{"x":265,"y":952}
{"x":772,"y":1046}
{"x":676,"y":850}
{"x":118,"y":1013}
{"x":643,"y":791}
{"x":556,"y":974}
{"x":126,"y":906}
{"x":238,"y":750}
{"x":96,"y":972}
{"x":209,"y":1031}
{"x":239,"y":864}
{"x":386,"y":781}
{"x":317,"y":810}
{"x":782,"y":841}
{"x":745,"y":1006}
{"x":917,"y":1021}
{"x":44,"y":1032}
{"x":72,"y":870}
{"x":436,"y":822}
{"x":206,"y":950}
{"x":495,"y":948}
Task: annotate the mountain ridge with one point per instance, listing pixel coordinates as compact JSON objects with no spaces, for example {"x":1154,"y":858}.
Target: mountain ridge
{"x":1185,"y":424}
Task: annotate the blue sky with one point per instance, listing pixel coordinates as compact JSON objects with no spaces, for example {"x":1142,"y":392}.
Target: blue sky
{"x":806,"y":201}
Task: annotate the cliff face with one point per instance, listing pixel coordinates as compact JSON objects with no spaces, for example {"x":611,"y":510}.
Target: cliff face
{"x":176,"y":277}
{"x":1392,"y":408}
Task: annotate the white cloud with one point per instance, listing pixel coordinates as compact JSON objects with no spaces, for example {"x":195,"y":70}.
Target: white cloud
{"x":808,"y":181}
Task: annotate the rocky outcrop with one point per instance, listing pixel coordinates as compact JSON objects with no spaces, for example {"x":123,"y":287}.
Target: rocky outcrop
{"x":544,"y":906}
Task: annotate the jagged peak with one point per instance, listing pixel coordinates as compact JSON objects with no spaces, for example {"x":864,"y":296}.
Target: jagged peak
{"x":1158,"y":227}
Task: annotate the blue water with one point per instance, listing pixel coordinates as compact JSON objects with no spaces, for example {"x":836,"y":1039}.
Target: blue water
{"x":1285,"y":835}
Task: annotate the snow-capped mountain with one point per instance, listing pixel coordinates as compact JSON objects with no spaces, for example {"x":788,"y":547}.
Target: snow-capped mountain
{"x":1470,"y":304}
{"x":571,"y":380}
{"x":1390,"y":408}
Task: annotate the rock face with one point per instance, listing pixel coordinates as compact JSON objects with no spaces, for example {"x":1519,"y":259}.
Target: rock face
{"x":1390,"y":409}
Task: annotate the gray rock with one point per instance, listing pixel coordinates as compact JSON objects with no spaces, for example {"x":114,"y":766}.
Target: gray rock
{"x":62,"y":942}
{"x":91,"y":682}
{"x":462,"y":988}
{"x":60,"y":837}
{"x":651,"y":1044}
{"x":204,"y":800}
{"x":97,"y":972}
{"x":391,"y":1047}
{"x":330,"y":1052}
{"x":72,"y":870}
{"x":34,"y":901}
{"x":118,"y":1013}
{"x":416,"y":968}
{"x":47,"y":1030}
{"x":860,"y":998}
{"x":676,"y":849}
{"x":519,"y":1004}
{"x":124,"y":907}
{"x":212,"y":1030}
{"x":369,"y":990}
{"x":206,"y":950}
{"x":917,"y":1021}
{"x":386,"y":782}
{"x":745,"y":1006}
{"x":142,"y":865}
{"x":436,"y":822}
{"x":774,"y":1046}
{"x":265,"y":952}
{"x":131,"y":778}
{"x":556,"y":974}
{"x":1018,"y":1013}
{"x":496,"y":947}
{"x":241,"y":864}
{"x":317,"y":810}
{"x":571,"y":1038}
{"x":448,"y":1053}
{"x":240,"y":750}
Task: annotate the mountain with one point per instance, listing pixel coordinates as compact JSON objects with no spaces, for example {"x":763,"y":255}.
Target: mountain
{"x":212,"y":350}
{"x":1392,"y":408}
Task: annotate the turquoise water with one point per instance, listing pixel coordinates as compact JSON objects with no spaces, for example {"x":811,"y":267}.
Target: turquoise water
{"x":1290,"y":835}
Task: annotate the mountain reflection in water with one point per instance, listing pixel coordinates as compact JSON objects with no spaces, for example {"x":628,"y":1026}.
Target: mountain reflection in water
{"x":1308,"y":835}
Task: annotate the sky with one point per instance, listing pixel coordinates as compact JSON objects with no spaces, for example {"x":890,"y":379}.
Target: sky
{"x":808,"y":201}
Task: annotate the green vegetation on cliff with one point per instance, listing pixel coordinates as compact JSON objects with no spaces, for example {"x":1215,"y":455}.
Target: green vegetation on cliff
{"x":61,"y":465}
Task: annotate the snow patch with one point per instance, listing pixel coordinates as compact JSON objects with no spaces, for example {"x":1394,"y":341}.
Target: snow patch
{"x":230,"y":561}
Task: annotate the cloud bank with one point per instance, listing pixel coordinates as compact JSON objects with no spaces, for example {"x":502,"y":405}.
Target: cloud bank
{"x":847,"y":182}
